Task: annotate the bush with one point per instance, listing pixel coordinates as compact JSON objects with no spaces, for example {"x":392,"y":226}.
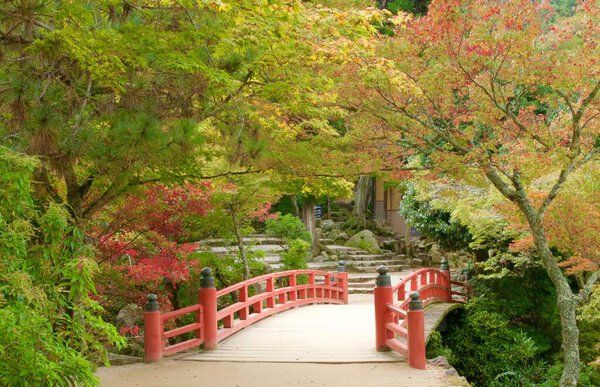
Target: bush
{"x":51,"y":330}
{"x":436,"y":347}
{"x":287,"y":227}
{"x":295,"y":256}
{"x":432,"y":223}
{"x":484,"y":346}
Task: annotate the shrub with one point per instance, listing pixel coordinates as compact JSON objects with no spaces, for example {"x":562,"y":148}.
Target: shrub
{"x":295,"y":256}
{"x":287,"y":227}
{"x":484,"y":346}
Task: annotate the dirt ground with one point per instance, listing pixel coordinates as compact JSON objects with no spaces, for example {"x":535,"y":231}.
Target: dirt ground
{"x":228,"y":374}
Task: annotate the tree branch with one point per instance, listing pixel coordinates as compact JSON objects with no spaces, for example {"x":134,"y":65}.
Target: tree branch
{"x":584,"y":294}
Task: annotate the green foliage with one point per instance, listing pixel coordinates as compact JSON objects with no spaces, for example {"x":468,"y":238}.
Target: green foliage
{"x":295,"y":256}
{"x":287,"y":227}
{"x":46,"y":278}
{"x":436,"y":347}
{"x":433,"y":223}
{"x":484,"y":345}
{"x":418,"y":7}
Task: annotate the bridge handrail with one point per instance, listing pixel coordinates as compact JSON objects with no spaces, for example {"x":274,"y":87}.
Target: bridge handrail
{"x":237,"y":315}
{"x":264,"y":277}
{"x":405,"y":316}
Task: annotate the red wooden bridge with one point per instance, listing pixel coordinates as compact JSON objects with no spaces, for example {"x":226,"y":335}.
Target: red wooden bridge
{"x":400,"y":323}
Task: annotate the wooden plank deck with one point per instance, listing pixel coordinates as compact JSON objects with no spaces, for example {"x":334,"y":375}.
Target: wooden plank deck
{"x":312,"y":334}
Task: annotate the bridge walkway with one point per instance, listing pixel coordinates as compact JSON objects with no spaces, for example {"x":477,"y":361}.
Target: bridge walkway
{"x":313,"y":334}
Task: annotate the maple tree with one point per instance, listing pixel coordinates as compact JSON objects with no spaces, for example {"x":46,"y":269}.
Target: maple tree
{"x":138,"y":242}
{"x":507,"y":94}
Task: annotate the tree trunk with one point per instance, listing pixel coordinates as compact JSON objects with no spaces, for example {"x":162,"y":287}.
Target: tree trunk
{"x":240,"y":244}
{"x":361,"y":201}
{"x":310,"y":222}
{"x":295,"y":204}
{"x":565,"y":299}
{"x":567,"y":306}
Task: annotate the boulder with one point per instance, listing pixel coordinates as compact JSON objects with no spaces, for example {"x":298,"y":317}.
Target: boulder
{"x":435,"y":254}
{"x":391,"y":245}
{"x":364,"y":240}
{"x":439,"y":361}
{"x":451,"y":372}
{"x":130,"y":316}
{"x":337,"y":235}
{"x":329,"y":225}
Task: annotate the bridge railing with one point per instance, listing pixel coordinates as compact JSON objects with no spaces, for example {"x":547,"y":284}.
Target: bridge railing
{"x":399,"y":316}
{"x":242,"y":305}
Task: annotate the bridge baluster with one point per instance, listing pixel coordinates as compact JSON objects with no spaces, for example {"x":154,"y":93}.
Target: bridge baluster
{"x":243,"y":298}
{"x":293,"y":292}
{"x":384,"y":296}
{"x":270,"y":289}
{"x":327,"y":292}
{"x":445,"y":269}
{"x":342,"y":277}
{"x":153,"y":343}
{"x":311,"y":282}
{"x":416,"y":332}
{"x":208,"y":299}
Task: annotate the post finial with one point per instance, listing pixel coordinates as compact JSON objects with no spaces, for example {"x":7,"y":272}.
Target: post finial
{"x":152,"y":304}
{"x":444,"y":266}
{"x":383,"y":279}
{"x":206,"y":278}
{"x":415,"y":303}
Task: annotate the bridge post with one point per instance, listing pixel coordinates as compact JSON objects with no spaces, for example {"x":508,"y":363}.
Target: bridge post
{"x":208,"y":299}
{"x":342,"y":276}
{"x":416,"y":332}
{"x":383,"y":297}
{"x":445,"y":269}
{"x":153,"y":344}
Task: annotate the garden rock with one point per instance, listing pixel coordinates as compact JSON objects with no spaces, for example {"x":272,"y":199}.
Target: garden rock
{"x":439,"y":361}
{"x":364,"y":240}
{"x":131,"y":315}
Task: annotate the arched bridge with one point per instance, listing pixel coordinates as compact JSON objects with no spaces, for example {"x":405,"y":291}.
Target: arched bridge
{"x":405,"y":315}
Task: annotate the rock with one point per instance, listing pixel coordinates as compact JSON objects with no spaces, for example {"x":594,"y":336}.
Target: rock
{"x":416,"y":262}
{"x":435,"y":254}
{"x":391,"y":245}
{"x":439,"y":361}
{"x":337,"y":235}
{"x":451,"y":372}
{"x":329,"y":225}
{"x":131,"y":315}
{"x":364,"y":240}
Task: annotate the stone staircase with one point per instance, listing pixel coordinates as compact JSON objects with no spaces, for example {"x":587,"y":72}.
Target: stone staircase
{"x":360,"y":265}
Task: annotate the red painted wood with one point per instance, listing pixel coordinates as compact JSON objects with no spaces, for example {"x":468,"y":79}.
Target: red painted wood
{"x":416,"y":339}
{"x":293,"y":295}
{"x":275,"y":299}
{"x":208,"y":300}
{"x":182,"y":346}
{"x":397,"y":310}
{"x":153,"y":341}
{"x":434,"y":286}
{"x":397,"y":329}
{"x":397,"y":346}
{"x":269,"y":289}
{"x":383,"y":297}
{"x":180,"y":312}
{"x":181,"y":330}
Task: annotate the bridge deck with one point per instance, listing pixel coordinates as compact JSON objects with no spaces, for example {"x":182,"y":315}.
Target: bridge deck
{"x":313,"y":334}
